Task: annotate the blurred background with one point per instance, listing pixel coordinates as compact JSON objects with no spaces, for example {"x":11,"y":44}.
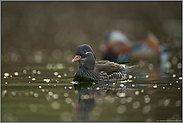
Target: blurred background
{"x":39,"y":40}
{"x":42,"y":32}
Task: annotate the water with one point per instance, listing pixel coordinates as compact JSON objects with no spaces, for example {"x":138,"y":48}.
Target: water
{"x":46,"y":92}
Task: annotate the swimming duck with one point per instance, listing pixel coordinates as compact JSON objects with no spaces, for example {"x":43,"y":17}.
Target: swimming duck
{"x":91,"y":70}
{"x":118,"y":48}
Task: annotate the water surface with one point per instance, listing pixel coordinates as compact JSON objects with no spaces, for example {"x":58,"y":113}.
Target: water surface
{"x":47,"y":93}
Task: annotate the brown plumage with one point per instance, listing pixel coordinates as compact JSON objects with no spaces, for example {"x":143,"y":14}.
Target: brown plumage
{"x":91,"y":70}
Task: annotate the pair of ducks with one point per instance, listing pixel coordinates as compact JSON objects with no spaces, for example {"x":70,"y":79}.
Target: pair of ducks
{"x":91,"y":70}
{"x":118,"y":48}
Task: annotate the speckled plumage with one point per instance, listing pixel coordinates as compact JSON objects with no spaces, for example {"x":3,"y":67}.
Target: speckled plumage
{"x":91,"y":70}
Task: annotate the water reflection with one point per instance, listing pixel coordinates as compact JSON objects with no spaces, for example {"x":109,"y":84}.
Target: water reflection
{"x":86,"y":102}
{"x":92,"y":95}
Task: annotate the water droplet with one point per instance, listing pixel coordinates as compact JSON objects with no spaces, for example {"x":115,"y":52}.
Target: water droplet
{"x":31,"y":92}
{"x":59,"y":76}
{"x":66,"y":94}
{"x":65,"y":74}
{"x":66,"y":116}
{"x":26,"y":94}
{"x":129,"y":99}
{"x":147,"y":99}
{"x":24,"y":71}
{"x":60,"y":66}
{"x":166,"y":102}
{"x":76,"y":92}
{"x":33,"y":79}
{"x":121,"y":94}
{"x":49,"y":66}
{"x":170,"y":84}
{"x":34,"y":71}
{"x":4,"y":92}
{"x":13,"y":93}
{"x":46,"y":80}
{"x":180,"y":78}
{"x":146,"y":109}
{"x":6,"y":74}
{"x":16,"y":73}
{"x":174,"y":75}
{"x":55,"y":96}
{"x":42,"y":90}
{"x":65,"y":87}
{"x":122,"y":85}
{"x":68,"y":100}
{"x":147,"y":76}
{"x":97,"y":88}
{"x":179,"y":65}
{"x":50,"y":93}
{"x":55,"y":73}
{"x":71,"y":69}
{"x":39,"y":72}
{"x":121,"y":109}
{"x":137,"y":92}
{"x":36,"y":95}
{"x":29,"y":77}
{"x":33,"y":108}
{"x":40,"y":86}
{"x":136,"y":105}
{"x":123,"y":101}
{"x":70,"y":87}
{"x":178,"y":103}
{"x":155,"y":86}
{"x":6,"y":83}
{"x":130,"y":76}
{"x":150,"y":66}
{"x":142,"y":91}
{"x":55,"y":105}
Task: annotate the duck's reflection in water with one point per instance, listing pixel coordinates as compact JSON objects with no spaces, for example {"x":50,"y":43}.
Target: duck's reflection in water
{"x":92,"y":95}
{"x":86,"y":101}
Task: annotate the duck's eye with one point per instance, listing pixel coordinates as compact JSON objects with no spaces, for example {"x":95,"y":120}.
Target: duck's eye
{"x":84,"y":51}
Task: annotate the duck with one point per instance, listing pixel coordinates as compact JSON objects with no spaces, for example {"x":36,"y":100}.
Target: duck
{"x":118,"y":48}
{"x":94,"y":71}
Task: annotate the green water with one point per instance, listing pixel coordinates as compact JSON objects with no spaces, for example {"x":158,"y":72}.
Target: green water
{"x":47,"y":93}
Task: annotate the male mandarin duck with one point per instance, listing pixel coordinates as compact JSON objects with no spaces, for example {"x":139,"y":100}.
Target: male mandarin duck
{"x":91,"y":70}
{"x":118,"y":48}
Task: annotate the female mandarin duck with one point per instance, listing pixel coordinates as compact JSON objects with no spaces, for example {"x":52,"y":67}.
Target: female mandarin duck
{"x":91,"y":70}
{"x":118,"y":48}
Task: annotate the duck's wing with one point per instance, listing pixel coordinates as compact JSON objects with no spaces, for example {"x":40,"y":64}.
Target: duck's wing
{"x":108,"y":67}
{"x":129,"y":69}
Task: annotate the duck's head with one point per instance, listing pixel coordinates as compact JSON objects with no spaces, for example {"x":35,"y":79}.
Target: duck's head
{"x":85,"y":56}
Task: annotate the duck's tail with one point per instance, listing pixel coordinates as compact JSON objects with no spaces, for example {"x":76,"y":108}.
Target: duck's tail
{"x":129,"y":69}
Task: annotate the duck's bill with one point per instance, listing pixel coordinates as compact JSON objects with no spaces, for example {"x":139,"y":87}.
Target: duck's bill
{"x":76,"y":58}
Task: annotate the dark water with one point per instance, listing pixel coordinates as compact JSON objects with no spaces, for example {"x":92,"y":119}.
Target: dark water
{"x":39,"y":40}
{"x":47,"y":93}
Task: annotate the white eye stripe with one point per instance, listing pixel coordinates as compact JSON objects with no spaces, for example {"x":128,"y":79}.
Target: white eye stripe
{"x":88,"y":52}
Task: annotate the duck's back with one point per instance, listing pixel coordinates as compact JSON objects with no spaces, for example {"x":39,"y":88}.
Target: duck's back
{"x":108,"y":67}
